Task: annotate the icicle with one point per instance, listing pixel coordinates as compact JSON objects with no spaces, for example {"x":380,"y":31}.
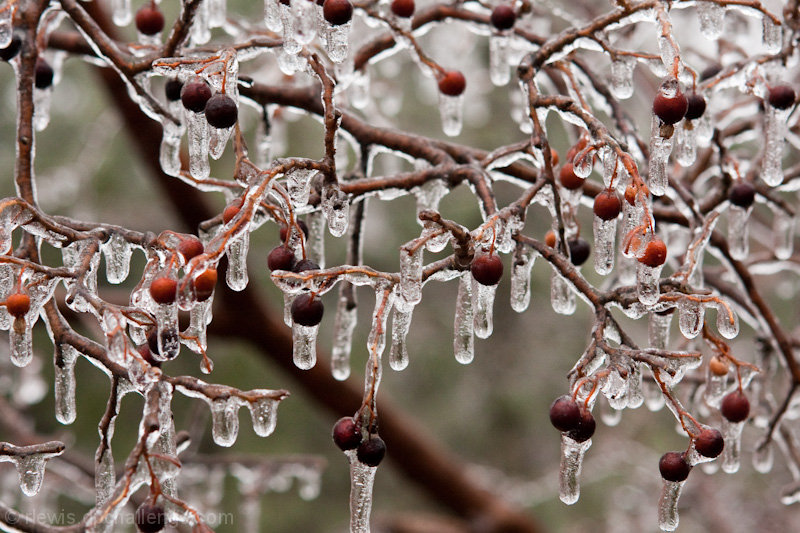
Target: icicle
{"x":622,"y":77}
{"x":685,"y":143}
{"x":198,"y":144}
{"x":450,"y":109}
{"x":583,"y":164}
{"x":668,"y":505}
{"x":635,"y":392}
{"x":772,"y":35}
{"x":711,"y":19}
{"x":121,"y":12}
{"x":21,"y":342}
{"x":562,"y":298}
{"x":336,"y":41}
{"x":429,"y":195}
{"x":572,"y":453}
{"x":660,"y":148}
{"x":716,"y":386}
{"x":217,"y":13}
{"x":732,"y":433}
{"x":653,"y":398}
{"x":236,"y":275}
{"x":298,"y":183}
{"x":104,"y":476}
{"x":738,"y":241}
{"x":690,"y":317}
{"x":304,"y":341}
{"x":647,"y":283}
{"x":658,"y":329}
{"x":775,"y":131}
{"x":362,"y":478}
{"x":464,"y":342}
{"x":666,"y":46}
{"x":305,"y":16}
{"x":200,"y":33}
{"x":42,"y":99}
{"x":336,"y":207}
{"x":290,"y":44}
{"x":727,"y":322}
{"x":264,"y":413}
{"x":343,"y":326}
{"x":615,"y":389}
{"x":482,"y":305}
{"x":498,"y":59}
{"x":65,"y":358}
{"x":272,"y":15}
{"x":763,"y":458}
{"x":195,"y":336}
{"x":288,"y":299}
{"x":225,"y":421}
{"x":401,"y":322}
{"x":521,"y":265}
{"x":605,"y":233}
{"x":31,"y":472}
{"x":783,"y":225}
{"x":411,"y":274}
{"x":6,"y":28}
{"x":118,"y":253}
{"x":610,"y":416}
{"x":315,"y":243}
{"x":168,"y":338}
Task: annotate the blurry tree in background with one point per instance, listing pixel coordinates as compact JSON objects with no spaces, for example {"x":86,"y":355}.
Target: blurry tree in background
{"x":216,"y":204}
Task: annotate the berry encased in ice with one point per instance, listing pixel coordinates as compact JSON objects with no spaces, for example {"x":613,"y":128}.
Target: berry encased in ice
{"x":579,"y":250}
{"x":565,"y":415}
{"x":487,"y":269}
{"x":452,"y":83}
{"x":607,"y":204}
{"x":307,"y":309}
{"x":221,"y":111}
{"x":195,"y":94}
{"x":735,"y":406}
{"x":371,"y":451}
{"x":742,"y":194}
{"x":346,"y":434}
{"x":709,"y":443}
{"x":673,"y":467}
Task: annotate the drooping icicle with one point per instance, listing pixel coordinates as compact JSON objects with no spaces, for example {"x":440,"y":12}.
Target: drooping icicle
{"x":635,"y":386}
{"x":483,"y":308}
{"x":622,"y":77}
{"x":605,"y":234}
{"x":712,"y":18}
{"x":647,"y":283}
{"x":217,"y":13}
{"x":65,"y":357}
{"x":774,"y":134}
{"x":104,"y":476}
{"x":304,"y":346}
{"x":660,"y":148}
{"x":450,"y":109}
{"x":343,"y":326}
{"x":117,"y":253}
{"x":668,"y":504}
{"x":464,"y":340}
{"x":727,"y":322}
{"x":772,"y":35}
{"x":569,"y":484}
{"x":658,"y":329}
{"x":21,"y":342}
{"x":305,"y":16}
{"x":411,"y":273}
{"x":225,"y":420}
{"x":731,"y":454}
{"x":264,"y":413}
{"x":298,"y":184}
{"x":236,"y":276}
{"x":763,"y":458}
{"x":198,"y":126}
{"x":401,"y":323}
{"x":521,"y":265}
{"x":562,"y":297}
{"x":167,"y":331}
{"x":691,"y":316}
{"x":499,"y":71}
{"x":195,"y":335}
{"x":336,"y":206}
{"x":272,"y":15}
{"x":716,"y":384}
{"x":685,"y":143}
{"x":315,"y":243}
{"x":337,"y":41}
{"x":738,"y":235}
{"x":31,"y":472}
{"x":42,"y":100}
{"x":121,"y":12}
{"x":200,"y":32}
{"x":783,"y":227}
{"x":362,"y":478}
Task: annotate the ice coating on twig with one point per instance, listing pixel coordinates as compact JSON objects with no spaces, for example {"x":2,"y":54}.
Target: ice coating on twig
{"x":569,"y":484}
{"x":464,"y":340}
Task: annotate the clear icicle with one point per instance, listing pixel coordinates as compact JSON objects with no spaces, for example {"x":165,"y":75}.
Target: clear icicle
{"x":483,"y":306}
{"x":236,"y":276}
{"x":336,"y":207}
{"x":605,"y":233}
{"x":21,"y":342}
{"x":199,"y":167}
{"x":775,"y":131}
{"x":685,"y":143}
{"x":225,"y":421}
{"x":264,"y":413}
{"x":653,"y":398}
{"x":217,"y":13}
{"x":362,"y":478}
{"x":104,"y":476}
{"x":635,"y":387}
{"x":647,"y":283}
{"x":168,"y":338}
{"x":298,"y":184}
{"x":337,"y":41}
{"x":200,"y":32}
{"x":712,"y":17}
{"x":464,"y":341}
{"x":42,"y":100}
{"x":763,"y":458}
{"x":658,"y":329}
{"x":783,"y":226}
{"x":666,"y":46}
{"x":411,"y":274}
{"x":715,"y":389}
{"x":450,"y":109}
{"x":121,"y":12}
{"x":64,"y":389}
{"x":727,"y":322}
{"x":738,"y":237}
{"x":731,"y":454}
{"x":691,"y":316}
{"x":315,"y":243}
{"x":343,"y":326}
{"x":562,"y":298}
{"x":288,"y":299}
{"x":401,"y":322}
{"x":772,"y":35}
{"x":622,"y":77}
{"x":272,"y":15}
{"x":499,"y":71}
{"x":521,"y":265}
{"x":199,"y":317}
{"x":572,"y":452}
{"x":117,"y":253}
{"x":6,"y":28}
{"x":31,"y":472}
{"x":668,"y":505}
{"x":305,"y":16}
{"x":304,"y":346}
{"x":660,"y":148}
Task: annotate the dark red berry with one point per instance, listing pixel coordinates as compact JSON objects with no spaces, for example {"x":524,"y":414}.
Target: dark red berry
{"x":305,"y":264}
{"x":149,"y":19}
{"x":585,"y":428}
{"x":346,"y":434}
{"x":172,"y":89}
{"x":673,"y":467}
{"x":565,"y":415}
{"x":452,"y":83}
{"x":163,"y":290}
{"x":709,"y":443}
{"x":191,"y":247}
{"x":284,"y":229}
{"x":204,"y":284}
{"x":735,"y":406}
{"x":781,"y":97}
{"x":403,"y":8}
{"x":43,"y":74}
{"x":503,"y":17}
{"x":607,"y":204}
{"x":670,"y":110}
{"x":18,"y":304}
{"x":487,"y":269}
{"x":150,"y":518}
{"x":742,"y":194}
{"x":221,"y":111}
{"x":655,"y":253}
{"x":569,"y":179}
{"x":337,"y":12}
{"x":307,"y":310}
{"x":9,"y":52}
{"x":280,"y":258}
{"x":195,"y":94}
{"x":696,"y":106}
{"x":371,"y":451}
{"x":579,"y":251}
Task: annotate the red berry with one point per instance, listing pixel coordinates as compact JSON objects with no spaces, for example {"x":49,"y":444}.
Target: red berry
{"x":565,"y":415}
{"x":195,"y":95}
{"x":550,"y":238}
{"x":346,"y":434}
{"x":579,"y":251}
{"x":147,"y":355}
{"x":150,"y":518}
{"x":280,"y":258}
{"x":18,"y":304}
{"x":607,"y":204}
{"x":568,"y":178}
{"x":670,"y":110}
{"x":191,"y":247}
{"x":709,"y":443}
{"x":735,"y":406}
{"x":781,"y":97}
{"x":503,"y":17}
{"x":337,"y":12}
{"x":284,"y":229}
{"x":172,"y":89}
{"x":655,"y":253}
{"x":221,"y":111}
{"x":204,"y":284}
{"x":673,"y":467}
{"x":9,"y":52}
{"x":163,"y":290}
{"x":696,"y":106}
{"x":232,"y":210}
{"x":403,"y":8}
{"x":305,"y":264}
{"x":307,"y":310}
{"x":585,"y":428}
{"x":452,"y":83}
{"x":742,"y":194}
{"x":630,"y":194}
{"x":43,"y":74}
{"x":371,"y":451}
{"x":487,"y":269}
{"x":149,"y":19}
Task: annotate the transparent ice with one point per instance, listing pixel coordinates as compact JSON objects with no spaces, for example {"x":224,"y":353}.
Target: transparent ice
{"x":411,"y":274}
{"x":668,"y":505}
{"x":647,"y":278}
{"x":336,"y":207}
{"x":343,"y":326}
{"x":738,"y":235}
{"x":64,"y":389}
{"x":731,"y":454}
{"x":117,"y":253}
{"x":236,"y":275}
{"x":464,"y":341}
{"x":783,"y":228}
{"x":401,"y":322}
{"x":362,"y":478}
{"x":225,"y":420}
{"x":198,"y":145}
{"x":605,"y":233}
{"x":691,"y":316}
{"x":483,"y":306}
{"x":562,"y":297}
{"x":499,"y":71}
{"x":774,"y":134}
{"x":304,"y":346}
{"x":521,"y":265}
{"x":712,"y":18}
{"x":450,"y":109}
{"x":622,"y":77}
{"x":572,"y":453}
{"x":337,"y":41}
{"x":264,"y":413}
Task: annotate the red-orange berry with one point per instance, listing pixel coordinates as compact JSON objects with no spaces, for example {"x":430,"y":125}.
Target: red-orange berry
{"x":403,"y":8}
{"x":452,"y":83}
{"x":164,"y":290}
{"x":232,"y":210}
{"x":607,"y":204}
{"x":18,"y":304}
{"x":630,"y":194}
{"x":487,"y":269}
{"x":569,"y":179}
{"x":149,"y":19}
{"x":204,"y":284}
{"x":189,"y":248}
{"x":735,"y":406}
{"x":655,"y":253}
{"x":346,"y":434}
{"x":550,"y":238}
{"x":673,"y":467}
